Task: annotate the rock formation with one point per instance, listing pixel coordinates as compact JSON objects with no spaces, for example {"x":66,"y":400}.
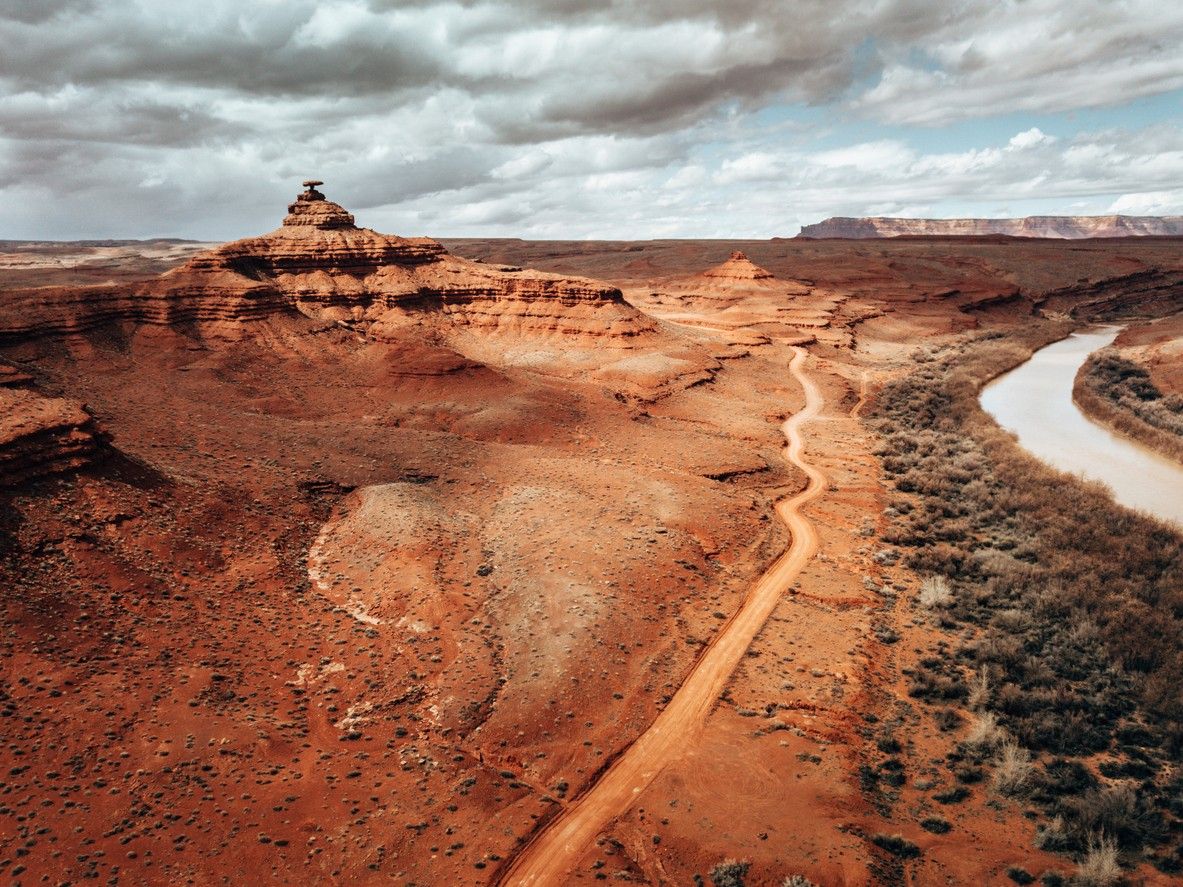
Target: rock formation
{"x":321,"y":264}
{"x":1066,"y":227}
{"x":41,"y":435}
{"x":738,"y":267}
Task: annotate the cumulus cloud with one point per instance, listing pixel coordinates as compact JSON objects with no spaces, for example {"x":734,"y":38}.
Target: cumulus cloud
{"x":559,"y":117}
{"x":1149,"y":203}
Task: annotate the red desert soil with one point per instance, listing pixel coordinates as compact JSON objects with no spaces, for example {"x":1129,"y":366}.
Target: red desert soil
{"x":386,"y":564}
{"x":548,"y":859}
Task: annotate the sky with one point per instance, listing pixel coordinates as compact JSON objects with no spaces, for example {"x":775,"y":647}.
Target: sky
{"x":552,"y":119}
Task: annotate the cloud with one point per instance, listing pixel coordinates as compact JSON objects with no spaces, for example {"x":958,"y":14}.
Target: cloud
{"x":1029,"y":139}
{"x":1036,"y":55}
{"x":558,"y":115}
{"x":1149,"y":203}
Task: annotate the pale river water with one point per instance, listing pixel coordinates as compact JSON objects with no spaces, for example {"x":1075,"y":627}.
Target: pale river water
{"x":1034,"y":401}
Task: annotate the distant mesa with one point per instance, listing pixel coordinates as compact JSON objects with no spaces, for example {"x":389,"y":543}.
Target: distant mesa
{"x":738,"y":267}
{"x":1060,"y":227}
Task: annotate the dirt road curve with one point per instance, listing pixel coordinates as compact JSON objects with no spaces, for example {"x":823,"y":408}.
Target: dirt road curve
{"x":549,"y":857}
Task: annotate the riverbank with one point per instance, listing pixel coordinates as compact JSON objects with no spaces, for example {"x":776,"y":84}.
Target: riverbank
{"x":1119,"y":394}
{"x":1034,"y":402}
{"x":1057,"y":634}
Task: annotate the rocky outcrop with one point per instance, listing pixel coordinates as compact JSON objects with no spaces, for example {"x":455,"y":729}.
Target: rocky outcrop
{"x":1156,"y":292}
{"x":738,"y":267}
{"x":41,"y":436}
{"x":320,"y":264}
{"x":10,"y":376}
{"x":1063,"y":227}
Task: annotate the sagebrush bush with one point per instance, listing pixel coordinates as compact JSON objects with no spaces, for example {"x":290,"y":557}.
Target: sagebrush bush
{"x":1013,"y":769}
{"x":730,"y":873}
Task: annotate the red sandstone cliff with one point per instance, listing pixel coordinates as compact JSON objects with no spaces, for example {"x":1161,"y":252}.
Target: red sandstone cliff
{"x":41,"y":435}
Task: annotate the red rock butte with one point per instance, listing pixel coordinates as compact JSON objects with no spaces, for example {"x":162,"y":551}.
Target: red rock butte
{"x":438,"y":311}
{"x":738,"y":267}
{"x":320,"y":264}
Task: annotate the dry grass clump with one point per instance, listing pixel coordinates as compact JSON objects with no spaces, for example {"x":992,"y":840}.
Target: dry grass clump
{"x":1013,"y":769}
{"x":979,"y":689}
{"x":984,"y":733}
{"x":935,"y":592}
{"x":1099,"y":868}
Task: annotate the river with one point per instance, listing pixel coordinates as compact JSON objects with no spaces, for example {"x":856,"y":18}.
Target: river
{"x":1034,"y":401}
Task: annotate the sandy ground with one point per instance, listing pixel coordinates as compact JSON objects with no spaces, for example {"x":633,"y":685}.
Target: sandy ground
{"x":340,"y":612}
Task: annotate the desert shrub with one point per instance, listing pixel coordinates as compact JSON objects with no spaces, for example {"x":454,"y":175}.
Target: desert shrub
{"x":947,"y":719}
{"x":1053,"y":837}
{"x":1071,"y":606}
{"x":936,"y":825}
{"x":1121,"y":393}
{"x":968,"y":773}
{"x":934,"y":680}
{"x":730,"y":873}
{"x":1020,"y":875}
{"x":954,"y":795}
{"x":934,"y":592}
{"x":1118,"y":811}
{"x":1099,"y":868}
{"x":1013,"y":770}
{"x":897,"y":845}
{"x":797,"y":881}
{"x":1062,"y":776}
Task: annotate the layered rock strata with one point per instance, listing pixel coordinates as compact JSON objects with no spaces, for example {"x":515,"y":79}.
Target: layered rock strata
{"x":41,"y":436}
{"x":738,"y":267}
{"x":321,"y":264}
{"x":1063,"y":227}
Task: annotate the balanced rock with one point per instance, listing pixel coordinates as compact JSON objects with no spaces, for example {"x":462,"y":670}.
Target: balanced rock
{"x":312,"y":208}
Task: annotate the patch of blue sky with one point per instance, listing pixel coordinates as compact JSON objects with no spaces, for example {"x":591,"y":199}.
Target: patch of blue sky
{"x":823,"y":127}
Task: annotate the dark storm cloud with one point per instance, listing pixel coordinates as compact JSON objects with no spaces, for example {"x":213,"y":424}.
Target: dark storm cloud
{"x":41,"y":10}
{"x":268,"y":54}
{"x":85,"y":118}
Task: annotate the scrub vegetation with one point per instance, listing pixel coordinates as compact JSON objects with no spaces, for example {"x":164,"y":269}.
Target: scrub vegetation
{"x":1062,"y":615}
{"x":1121,"y":393}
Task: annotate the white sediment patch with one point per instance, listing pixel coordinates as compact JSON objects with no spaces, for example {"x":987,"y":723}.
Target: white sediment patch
{"x":305,"y":677}
{"x":357,"y":610}
{"x":355,"y":716}
{"x":317,"y":572}
{"x":322,"y":581}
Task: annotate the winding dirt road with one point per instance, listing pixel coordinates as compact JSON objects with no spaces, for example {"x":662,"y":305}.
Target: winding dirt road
{"x":554,"y":851}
